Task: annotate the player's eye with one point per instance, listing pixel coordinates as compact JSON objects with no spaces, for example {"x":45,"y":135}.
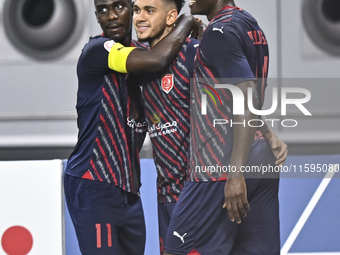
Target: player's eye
{"x":136,"y":10}
{"x":103,"y":10}
{"x":119,"y":7}
{"x":149,"y":11}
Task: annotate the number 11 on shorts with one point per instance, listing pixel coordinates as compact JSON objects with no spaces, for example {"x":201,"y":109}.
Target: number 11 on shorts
{"x":99,"y":235}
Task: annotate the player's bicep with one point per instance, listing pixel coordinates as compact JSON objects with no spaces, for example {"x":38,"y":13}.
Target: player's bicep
{"x":243,"y":86}
{"x":118,"y":56}
{"x":131,"y":60}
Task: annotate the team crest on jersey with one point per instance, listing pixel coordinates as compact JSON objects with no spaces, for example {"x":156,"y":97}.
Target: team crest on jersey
{"x":109,"y":44}
{"x":167,"y":83}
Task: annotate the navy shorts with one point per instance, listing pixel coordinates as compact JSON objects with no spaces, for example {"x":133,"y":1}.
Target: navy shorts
{"x":199,"y":225}
{"x":164,"y":215}
{"x":107,"y":220}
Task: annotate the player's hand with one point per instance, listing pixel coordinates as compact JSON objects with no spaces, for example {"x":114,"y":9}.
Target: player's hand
{"x":279,"y":149}
{"x":197,"y":29}
{"x":235,"y":197}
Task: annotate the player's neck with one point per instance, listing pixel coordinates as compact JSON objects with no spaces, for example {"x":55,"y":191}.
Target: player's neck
{"x":219,"y":5}
{"x":154,"y":41}
{"x":126,"y":41}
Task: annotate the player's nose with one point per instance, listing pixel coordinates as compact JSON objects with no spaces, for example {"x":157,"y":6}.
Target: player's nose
{"x":140,"y":16}
{"x":112,"y":15}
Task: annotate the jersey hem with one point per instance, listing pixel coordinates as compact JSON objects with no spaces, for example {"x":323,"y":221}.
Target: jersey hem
{"x":80,"y":177}
{"x":174,"y":252}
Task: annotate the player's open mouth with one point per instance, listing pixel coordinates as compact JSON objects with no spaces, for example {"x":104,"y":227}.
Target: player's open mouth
{"x":142,"y":28}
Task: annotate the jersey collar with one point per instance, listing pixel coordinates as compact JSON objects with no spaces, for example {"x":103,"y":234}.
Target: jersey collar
{"x":227,"y":7}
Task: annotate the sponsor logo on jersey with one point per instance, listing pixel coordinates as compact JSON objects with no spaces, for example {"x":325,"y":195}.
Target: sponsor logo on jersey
{"x":156,"y":117}
{"x":135,"y":123}
{"x":218,"y":29}
{"x":175,"y":233}
{"x":109,"y":44}
{"x":167,"y":83}
{"x":161,"y":129}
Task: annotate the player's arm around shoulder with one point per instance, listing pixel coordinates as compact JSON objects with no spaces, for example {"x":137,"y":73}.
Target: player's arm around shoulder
{"x":158,"y":58}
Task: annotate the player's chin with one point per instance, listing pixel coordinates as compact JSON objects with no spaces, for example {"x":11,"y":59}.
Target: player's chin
{"x":116,"y":36}
{"x":194,"y":10}
{"x":142,"y":38}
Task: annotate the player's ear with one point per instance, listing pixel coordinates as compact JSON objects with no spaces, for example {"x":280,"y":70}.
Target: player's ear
{"x":172,"y":17}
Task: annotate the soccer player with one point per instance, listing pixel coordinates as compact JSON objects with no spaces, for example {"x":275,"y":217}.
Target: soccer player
{"x":166,"y":97}
{"x":102,"y":177}
{"x":233,"y":48}
{"x":167,"y":106}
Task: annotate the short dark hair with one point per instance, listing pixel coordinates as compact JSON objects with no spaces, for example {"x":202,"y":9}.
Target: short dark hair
{"x":179,"y":4}
{"x":95,"y":2}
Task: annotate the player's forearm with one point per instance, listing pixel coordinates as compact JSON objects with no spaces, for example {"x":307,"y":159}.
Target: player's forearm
{"x":243,"y":140}
{"x":243,"y":134}
{"x":266,"y":130}
{"x":160,"y":57}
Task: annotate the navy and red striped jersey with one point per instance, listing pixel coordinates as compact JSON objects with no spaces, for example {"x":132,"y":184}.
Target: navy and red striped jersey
{"x":233,"y":50}
{"x":108,"y":144}
{"x":167,"y":111}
